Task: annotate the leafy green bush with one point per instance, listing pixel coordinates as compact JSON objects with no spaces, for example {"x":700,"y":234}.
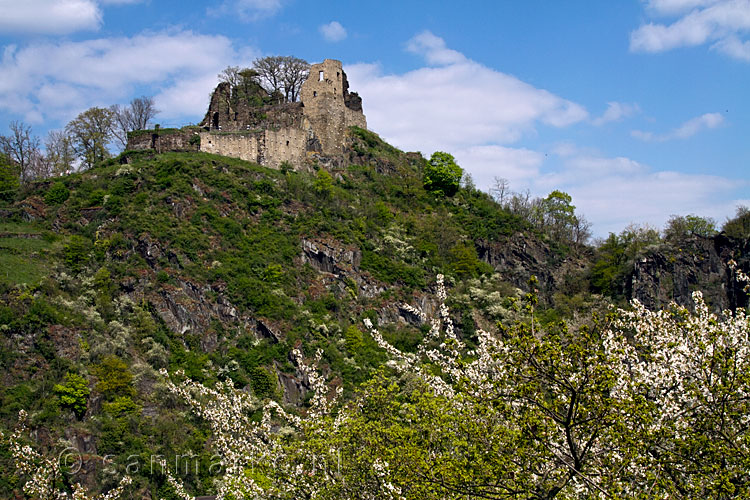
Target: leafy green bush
{"x":262,"y":382}
{"x":115,"y":379}
{"x":76,"y":252}
{"x":96,"y":198}
{"x":121,"y":405}
{"x":353,"y":338}
{"x":56,"y":194}
{"x":465,"y":263}
{"x":391,"y":271}
{"x":442,"y":175}
{"x":74,"y":394}
{"x":739,"y":226}
{"x":323,"y":183}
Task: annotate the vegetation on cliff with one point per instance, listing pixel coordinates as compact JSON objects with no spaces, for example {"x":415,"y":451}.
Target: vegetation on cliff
{"x":219,"y":269}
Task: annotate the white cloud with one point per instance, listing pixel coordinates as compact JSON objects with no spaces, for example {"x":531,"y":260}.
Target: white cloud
{"x":56,"y":17}
{"x":434,"y":50}
{"x":247,"y":10}
{"x":482,"y":116}
{"x":53,"y":17}
{"x":616,"y":111}
{"x":688,"y":129}
{"x":58,"y":80}
{"x":333,"y":31}
{"x":614,"y":192}
{"x":518,"y":165}
{"x":455,"y":102}
{"x":673,"y":7}
{"x":734,"y":47}
{"x":719,"y":22}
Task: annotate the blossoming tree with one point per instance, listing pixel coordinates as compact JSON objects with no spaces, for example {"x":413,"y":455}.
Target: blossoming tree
{"x":632,"y":403}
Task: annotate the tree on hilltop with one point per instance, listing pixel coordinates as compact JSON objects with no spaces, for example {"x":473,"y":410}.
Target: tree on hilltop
{"x":739,"y":226}
{"x":22,"y":148}
{"x":231,"y":75}
{"x":284,"y":74}
{"x":270,"y":72}
{"x":295,"y":72}
{"x":135,"y":116}
{"x":60,"y":154}
{"x":442,"y":175}
{"x":91,"y":132}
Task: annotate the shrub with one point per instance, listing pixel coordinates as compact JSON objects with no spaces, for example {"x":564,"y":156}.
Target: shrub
{"x":74,"y":394}
{"x":739,"y":226}
{"x":442,"y":175}
{"x":323,"y":184}
{"x":8,"y":178}
{"x":464,"y":261}
{"x":76,"y":252}
{"x":122,"y":405}
{"x":262,"y":382}
{"x":353,"y":337}
{"x":115,"y":380}
{"x":56,"y":194}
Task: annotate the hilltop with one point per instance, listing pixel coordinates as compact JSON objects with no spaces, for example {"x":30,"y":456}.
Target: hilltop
{"x":245,"y":121}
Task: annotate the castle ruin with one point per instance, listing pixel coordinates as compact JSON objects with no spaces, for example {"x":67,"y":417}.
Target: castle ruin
{"x":296,"y":133}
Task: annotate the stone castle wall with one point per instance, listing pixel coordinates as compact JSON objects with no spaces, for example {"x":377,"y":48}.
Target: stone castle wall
{"x":164,"y":140}
{"x":270,"y":135}
{"x":270,"y":148}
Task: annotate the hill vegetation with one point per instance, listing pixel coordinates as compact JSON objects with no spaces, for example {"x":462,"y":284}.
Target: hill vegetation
{"x":218,"y":269}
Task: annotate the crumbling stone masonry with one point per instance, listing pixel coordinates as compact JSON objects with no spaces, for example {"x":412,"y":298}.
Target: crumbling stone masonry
{"x":298,"y":133}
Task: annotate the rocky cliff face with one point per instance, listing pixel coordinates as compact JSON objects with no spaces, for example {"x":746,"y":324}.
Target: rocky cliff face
{"x":672,"y":271}
{"x":520,"y":256}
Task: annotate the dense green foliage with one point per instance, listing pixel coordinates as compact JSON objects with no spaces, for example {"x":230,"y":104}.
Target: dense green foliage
{"x":204,"y":264}
{"x":739,"y":226}
{"x":442,"y":175}
{"x":131,"y":234}
{"x":74,"y":393}
{"x":679,"y":227}
{"x":9,"y":181}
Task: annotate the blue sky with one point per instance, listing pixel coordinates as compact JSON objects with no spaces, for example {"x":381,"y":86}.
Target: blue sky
{"x":638,"y":109}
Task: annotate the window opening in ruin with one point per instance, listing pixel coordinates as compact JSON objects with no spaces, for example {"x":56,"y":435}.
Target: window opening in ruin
{"x":216,"y":120}
{"x":315,"y":93}
{"x":320,"y":77}
{"x":337,"y":75}
{"x":287,"y":143}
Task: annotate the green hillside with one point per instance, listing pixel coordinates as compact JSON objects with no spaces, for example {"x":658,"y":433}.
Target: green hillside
{"x":219,"y":268}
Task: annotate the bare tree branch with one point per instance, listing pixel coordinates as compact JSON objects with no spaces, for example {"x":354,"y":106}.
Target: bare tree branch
{"x":21,"y":147}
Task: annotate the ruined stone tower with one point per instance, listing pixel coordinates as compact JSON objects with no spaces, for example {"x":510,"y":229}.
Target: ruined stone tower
{"x":329,"y":106}
{"x":298,"y":133}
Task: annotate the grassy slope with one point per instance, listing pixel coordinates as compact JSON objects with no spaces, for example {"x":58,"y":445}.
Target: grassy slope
{"x":80,"y":294}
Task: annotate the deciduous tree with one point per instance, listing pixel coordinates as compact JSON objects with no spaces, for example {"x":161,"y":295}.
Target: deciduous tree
{"x":442,"y":175}
{"x":270,"y":72}
{"x":9,"y":178}
{"x":22,"y":148}
{"x":60,"y":154}
{"x":282,"y":74}
{"x":135,"y":116}
{"x":678,"y":227}
{"x":294,"y":73}
{"x":91,"y":133}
